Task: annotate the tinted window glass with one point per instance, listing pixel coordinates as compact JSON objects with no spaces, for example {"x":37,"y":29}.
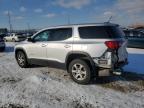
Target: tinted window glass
{"x":104,"y":32}
{"x":19,"y":34}
{"x":2,"y":35}
{"x":60,"y":34}
{"x":42,"y":36}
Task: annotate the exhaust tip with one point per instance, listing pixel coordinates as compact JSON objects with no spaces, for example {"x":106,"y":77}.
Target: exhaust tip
{"x":118,"y":72}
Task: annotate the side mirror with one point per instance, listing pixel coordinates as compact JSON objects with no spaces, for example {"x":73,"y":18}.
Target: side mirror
{"x":29,"y":39}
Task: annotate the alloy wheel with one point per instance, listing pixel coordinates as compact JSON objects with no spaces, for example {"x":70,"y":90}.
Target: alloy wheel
{"x":79,"y":72}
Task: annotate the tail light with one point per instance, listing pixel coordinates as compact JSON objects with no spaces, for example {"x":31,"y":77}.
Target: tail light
{"x":113,"y":44}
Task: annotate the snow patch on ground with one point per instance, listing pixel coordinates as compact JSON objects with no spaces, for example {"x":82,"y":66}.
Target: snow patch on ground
{"x":43,"y":87}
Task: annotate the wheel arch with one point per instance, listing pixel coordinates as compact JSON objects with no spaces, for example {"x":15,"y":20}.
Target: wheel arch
{"x":20,"y":49}
{"x":80,"y":55}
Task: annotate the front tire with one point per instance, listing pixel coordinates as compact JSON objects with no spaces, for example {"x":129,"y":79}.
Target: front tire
{"x":21,"y":59}
{"x":80,"y":71}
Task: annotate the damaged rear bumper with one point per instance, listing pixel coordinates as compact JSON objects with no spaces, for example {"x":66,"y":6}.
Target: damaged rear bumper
{"x":109,"y":65}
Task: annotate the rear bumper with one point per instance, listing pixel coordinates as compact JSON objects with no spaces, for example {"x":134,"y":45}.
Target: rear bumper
{"x":116,"y":70}
{"x":109,"y":72}
{"x":113,"y":65}
{"x":109,"y":65}
{"x":121,"y":64}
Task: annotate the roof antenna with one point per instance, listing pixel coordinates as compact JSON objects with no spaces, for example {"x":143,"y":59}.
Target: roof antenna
{"x":110,"y":18}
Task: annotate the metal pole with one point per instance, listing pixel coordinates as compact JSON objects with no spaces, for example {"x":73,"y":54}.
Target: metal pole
{"x":68,"y":19}
{"x":9,"y":20}
{"x":28,"y":25}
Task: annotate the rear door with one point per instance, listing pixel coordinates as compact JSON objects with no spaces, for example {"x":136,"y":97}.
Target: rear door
{"x":120,"y":36}
{"x":122,"y":52}
{"x":59,"y":44}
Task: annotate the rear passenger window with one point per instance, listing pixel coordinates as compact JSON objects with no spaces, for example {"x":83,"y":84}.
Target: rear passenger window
{"x":60,"y":34}
{"x":100,"y":32}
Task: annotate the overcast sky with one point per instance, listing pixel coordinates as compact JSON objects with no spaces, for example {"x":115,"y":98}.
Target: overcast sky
{"x":44,"y":13}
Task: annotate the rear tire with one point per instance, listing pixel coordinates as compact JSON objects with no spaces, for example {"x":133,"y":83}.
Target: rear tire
{"x":80,"y":71}
{"x":21,"y":59}
{"x":13,"y":40}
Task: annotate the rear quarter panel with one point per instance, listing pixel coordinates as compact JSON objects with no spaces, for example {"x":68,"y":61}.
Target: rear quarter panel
{"x":94,"y":47}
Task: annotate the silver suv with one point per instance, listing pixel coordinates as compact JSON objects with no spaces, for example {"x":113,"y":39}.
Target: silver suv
{"x":84,"y":50}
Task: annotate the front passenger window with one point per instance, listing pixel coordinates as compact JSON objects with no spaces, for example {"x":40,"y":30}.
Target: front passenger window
{"x":42,"y":36}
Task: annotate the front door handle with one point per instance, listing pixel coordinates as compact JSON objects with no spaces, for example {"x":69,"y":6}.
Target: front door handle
{"x":44,"y":45}
{"x":67,"y":46}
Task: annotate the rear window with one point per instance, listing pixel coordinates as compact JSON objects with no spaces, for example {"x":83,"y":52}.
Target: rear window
{"x":100,"y":32}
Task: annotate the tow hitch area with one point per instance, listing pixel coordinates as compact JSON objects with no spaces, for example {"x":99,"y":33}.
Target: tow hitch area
{"x":118,"y":71}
